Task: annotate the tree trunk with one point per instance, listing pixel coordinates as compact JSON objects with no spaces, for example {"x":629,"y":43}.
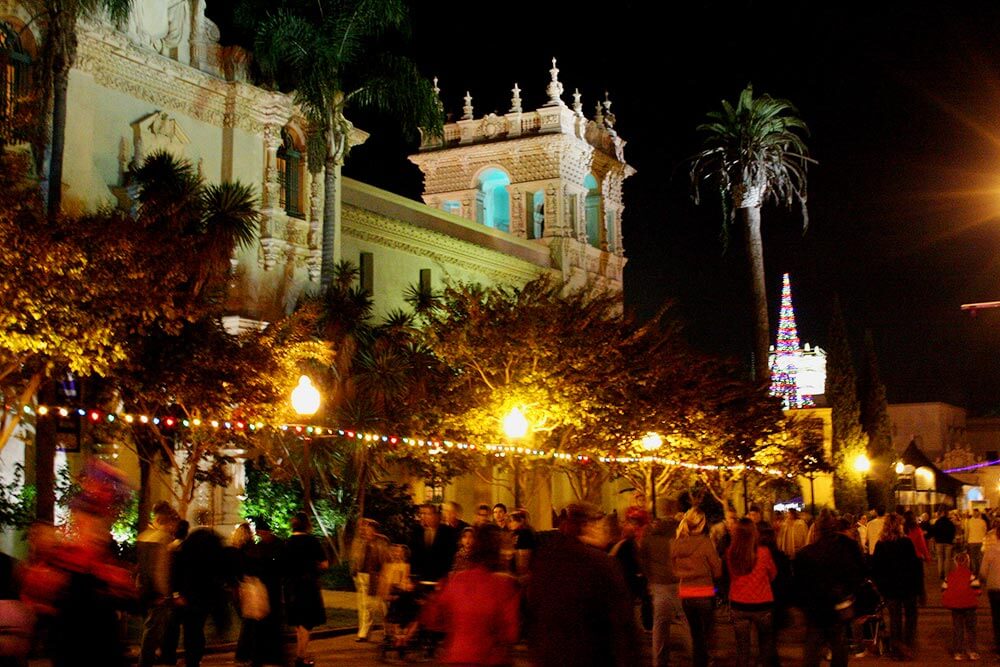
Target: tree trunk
{"x":45,"y":455}
{"x":59,"y":92}
{"x":331,"y":207}
{"x":145,"y":502}
{"x":762,"y":327}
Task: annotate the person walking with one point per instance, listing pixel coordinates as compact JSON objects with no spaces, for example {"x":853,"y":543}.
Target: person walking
{"x":153,"y":581}
{"x":654,"y":559}
{"x":432,"y":545}
{"x":203,"y":570}
{"x":304,"y":559}
{"x":477,"y":610}
{"x":962,"y":599}
{"x":751,"y":571}
{"x":898,"y":576}
{"x":943,"y":534}
{"x":989,"y":576}
{"x":828,"y":573}
{"x":793,"y":533}
{"x":875,"y":528}
{"x":577,"y":601}
{"x":975,"y":531}
{"x":697,"y":565}
{"x":369,"y":552}
{"x":261,"y":641}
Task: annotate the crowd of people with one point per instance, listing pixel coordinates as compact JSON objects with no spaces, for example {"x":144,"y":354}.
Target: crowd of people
{"x":581,"y":594}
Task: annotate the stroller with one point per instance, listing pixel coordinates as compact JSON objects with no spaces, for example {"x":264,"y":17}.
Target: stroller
{"x":403,"y":633}
{"x":869,"y":629}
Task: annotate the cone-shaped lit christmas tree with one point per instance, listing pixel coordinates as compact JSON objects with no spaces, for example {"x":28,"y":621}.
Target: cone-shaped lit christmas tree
{"x":783,"y":370}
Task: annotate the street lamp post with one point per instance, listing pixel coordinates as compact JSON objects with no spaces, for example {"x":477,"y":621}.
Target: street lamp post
{"x":651,"y":443}
{"x":516,"y":427}
{"x":305,"y":401}
{"x":862,"y":465}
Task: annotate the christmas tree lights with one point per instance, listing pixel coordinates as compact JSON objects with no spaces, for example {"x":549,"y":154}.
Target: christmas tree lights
{"x":783,"y":370}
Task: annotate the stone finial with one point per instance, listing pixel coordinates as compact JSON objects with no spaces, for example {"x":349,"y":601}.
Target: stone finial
{"x":515,"y":101}
{"x":554,"y":89}
{"x":577,"y":103}
{"x":609,"y":118}
{"x":599,"y":114}
{"x":467,"y":109}
{"x":437,"y":91}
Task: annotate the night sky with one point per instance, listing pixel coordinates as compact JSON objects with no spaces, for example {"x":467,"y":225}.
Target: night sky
{"x":903,"y":105}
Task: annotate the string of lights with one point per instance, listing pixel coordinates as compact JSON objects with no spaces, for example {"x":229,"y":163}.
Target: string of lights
{"x":974,"y":466}
{"x":434,"y":446}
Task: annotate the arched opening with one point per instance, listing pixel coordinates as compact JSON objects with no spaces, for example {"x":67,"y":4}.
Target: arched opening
{"x":536,"y":221}
{"x":291,"y":168}
{"x":493,"y":200}
{"x":593,"y":210}
{"x":452,"y":206}
{"x":15,"y":75}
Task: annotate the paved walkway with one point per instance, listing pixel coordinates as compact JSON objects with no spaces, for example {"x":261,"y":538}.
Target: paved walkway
{"x":934,"y":637}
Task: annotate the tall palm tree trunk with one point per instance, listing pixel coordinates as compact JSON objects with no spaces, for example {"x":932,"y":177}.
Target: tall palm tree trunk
{"x":59,"y":93}
{"x":331,"y":220}
{"x":755,"y":254}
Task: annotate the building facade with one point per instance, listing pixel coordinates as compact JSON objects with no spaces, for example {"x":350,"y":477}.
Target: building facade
{"x":506,"y":198}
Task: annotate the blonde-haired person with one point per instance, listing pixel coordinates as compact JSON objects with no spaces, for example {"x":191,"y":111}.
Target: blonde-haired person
{"x":697,"y":565}
{"x":899,"y":578}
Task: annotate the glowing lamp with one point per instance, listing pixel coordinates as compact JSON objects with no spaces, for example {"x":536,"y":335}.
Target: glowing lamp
{"x":515,"y":424}
{"x":900,"y":467}
{"x":862,"y":464}
{"x":305,"y":397}
{"x":652,"y":442}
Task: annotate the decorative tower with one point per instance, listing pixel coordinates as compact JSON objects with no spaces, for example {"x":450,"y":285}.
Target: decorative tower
{"x":549,"y":176}
{"x":786,"y":349}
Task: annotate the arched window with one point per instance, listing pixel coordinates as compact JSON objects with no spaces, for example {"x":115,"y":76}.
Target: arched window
{"x":536,"y":223}
{"x":452,"y":206}
{"x":493,"y":200}
{"x":15,"y":73}
{"x":290,"y":175}
{"x":593,"y":207}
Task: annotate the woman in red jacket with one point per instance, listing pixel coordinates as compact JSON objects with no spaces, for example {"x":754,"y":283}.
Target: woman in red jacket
{"x":478,"y":607}
{"x":751,"y":571}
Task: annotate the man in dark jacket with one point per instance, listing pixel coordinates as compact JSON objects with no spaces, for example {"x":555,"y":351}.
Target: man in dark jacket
{"x":654,"y":558}
{"x":943,"y":534}
{"x":579,"y":609}
{"x":433,"y":545}
{"x":201,"y":577}
{"x":828,"y":573}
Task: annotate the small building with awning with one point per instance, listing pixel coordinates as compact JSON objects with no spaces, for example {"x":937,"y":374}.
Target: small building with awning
{"x":923,"y":486}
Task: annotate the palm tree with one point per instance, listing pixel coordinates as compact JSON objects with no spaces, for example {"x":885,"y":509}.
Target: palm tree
{"x":59,"y":55}
{"x":329,"y":52}
{"x":190,"y":229}
{"x":752,"y":152}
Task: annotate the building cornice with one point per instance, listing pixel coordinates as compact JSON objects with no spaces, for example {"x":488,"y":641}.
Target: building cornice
{"x":116,"y":63}
{"x":442,"y":249}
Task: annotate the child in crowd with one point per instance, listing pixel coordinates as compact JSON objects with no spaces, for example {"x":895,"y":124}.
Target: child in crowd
{"x":396,"y":590}
{"x":962,"y":597}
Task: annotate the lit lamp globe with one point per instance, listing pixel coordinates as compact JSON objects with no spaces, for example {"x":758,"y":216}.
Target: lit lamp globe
{"x":515,"y":424}
{"x":862,"y":464}
{"x":652,"y":442}
{"x":305,"y":397}
{"x":900,"y":468}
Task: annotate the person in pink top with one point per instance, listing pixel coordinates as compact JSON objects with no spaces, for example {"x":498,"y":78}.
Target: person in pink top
{"x":751,"y":571}
{"x":478,"y":607}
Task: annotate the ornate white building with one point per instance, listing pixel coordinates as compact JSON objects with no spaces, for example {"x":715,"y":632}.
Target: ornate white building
{"x":507,"y":198}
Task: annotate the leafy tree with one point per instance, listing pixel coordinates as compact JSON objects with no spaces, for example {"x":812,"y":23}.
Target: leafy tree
{"x":334,"y":54}
{"x":849,"y":439}
{"x":878,"y":428}
{"x":590,"y":383}
{"x":59,"y":48}
{"x":754,"y":152}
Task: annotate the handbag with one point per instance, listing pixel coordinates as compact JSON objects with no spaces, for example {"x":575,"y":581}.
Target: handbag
{"x":254,"y":603}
